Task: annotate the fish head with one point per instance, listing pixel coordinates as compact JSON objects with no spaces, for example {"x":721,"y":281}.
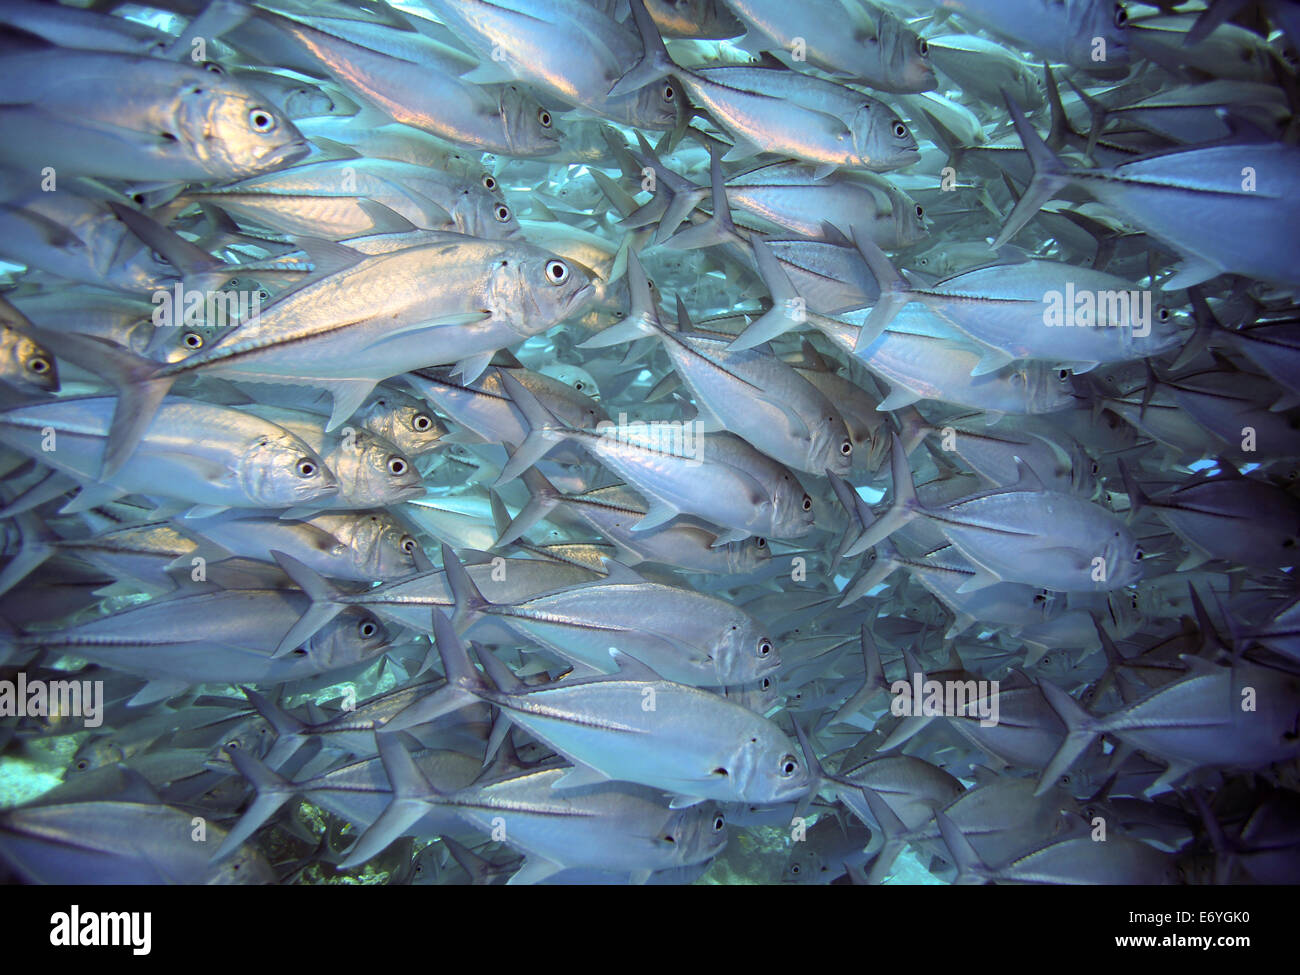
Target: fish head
{"x":374,"y":471}
{"x":770,"y":768}
{"x":279,"y":470}
{"x":1127,"y":610}
{"x":1123,"y":554}
{"x":743,"y":652}
{"x":95,"y":753}
{"x":748,"y":553}
{"x":805,"y":866}
{"x":404,"y":421}
{"x":792,"y":509}
{"x":529,"y":126}
{"x":1047,"y":388}
{"x":1093,"y":20}
{"x":235,"y":132}
{"x":661,"y":106}
{"x":908,"y":56}
{"x":350,"y":638}
{"x":478,"y":212}
{"x":698,"y":19}
{"x":532,"y":289}
{"x":28,"y":365}
{"x":252,"y":736}
{"x":380,"y":548}
{"x":831,"y":446}
{"x":882,"y":137}
{"x":911,"y":226}
{"x":694,"y":834}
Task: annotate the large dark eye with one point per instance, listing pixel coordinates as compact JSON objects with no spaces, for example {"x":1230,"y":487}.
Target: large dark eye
{"x":367,"y":629}
{"x":489,"y":183}
{"x":193,"y":340}
{"x":669,"y":94}
{"x":846,"y":448}
{"x":920,"y":212}
{"x":306,"y":468}
{"x":766,"y":685}
{"x":396,"y":466}
{"x":761,"y":542}
{"x":789,"y":766}
{"x":39,"y":365}
{"x":408,"y":544}
{"x":557,"y":272}
{"x":1121,"y":16}
{"x":900,"y":130}
{"x":422,"y":422}
{"x":1137,"y":556}
{"x":261,"y":120}
{"x":718,"y":824}
{"x":922,"y":48}
{"x":501,"y":212}
{"x":1163,"y":314}
{"x":544,"y":118}
{"x":765,"y":648}
{"x":1064,"y":374}
{"x":807,"y":503}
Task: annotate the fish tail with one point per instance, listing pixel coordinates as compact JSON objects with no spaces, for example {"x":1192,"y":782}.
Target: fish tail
{"x":1137,"y":498}
{"x":894,"y":291}
{"x":1049,"y":177}
{"x":273,"y":791}
{"x":970,"y":868}
{"x":545,"y":429}
{"x":412,"y":796}
{"x":654,"y":63}
{"x":463,"y":687}
{"x":1081,"y":728}
{"x":470,"y":603}
{"x":288,"y":729}
{"x":36,"y":548}
{"x":544,"y":499}
{"x":139,"y":385}
{"x":324,"y":602}
{"x":902,"y":510}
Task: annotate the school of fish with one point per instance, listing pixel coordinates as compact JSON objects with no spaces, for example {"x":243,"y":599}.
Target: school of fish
{"x":649,"y":441}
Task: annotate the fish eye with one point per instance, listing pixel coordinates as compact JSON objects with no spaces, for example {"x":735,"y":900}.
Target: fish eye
{"x":718,"y":824}
{"x":83,"y":765}
{"x":1064,"y":374}
{"x":306,"y":468}
{"x":232,"y":745}
{"x":920,"y":212}
{"x":922,"y":48}
{"x":261,"y":120}
{"x":263,"y":295}
{"x":760,"y":542}
{"x":557,"y":272}
{"x":1121,"y":15}
{"x":489,"y":183}
{"x":422,"y":422}
{"x":767,"y":684}
{"x":669,"y":94}
{"x":900,"y":129}
{"x":1163,"y":314}
{"x":1096,"y":468}
{"x":501,"y":212}
{"x":367,"y":629}
{"x":544,"y":118}
{"x":408,"y":544}
{"x":807,"y":503}
{"x":396,"y":466}
{"x":794,"y":868}
{"x":193,"y":340}
{"x":846,"y":448}
{"x":923,"y":261}
{"x":213,"y":67}
{"x":1137,"y":555}
{"x":789,"y":766}
{"x":765,"y":648}
{"x":39,"y":364}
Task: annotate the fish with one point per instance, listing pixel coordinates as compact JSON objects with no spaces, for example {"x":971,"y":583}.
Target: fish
{"x":609,"y":442}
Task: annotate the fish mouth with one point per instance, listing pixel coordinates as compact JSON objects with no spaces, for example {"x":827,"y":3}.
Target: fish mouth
{"x":578,"y":299}
{"x":291,"y":152}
